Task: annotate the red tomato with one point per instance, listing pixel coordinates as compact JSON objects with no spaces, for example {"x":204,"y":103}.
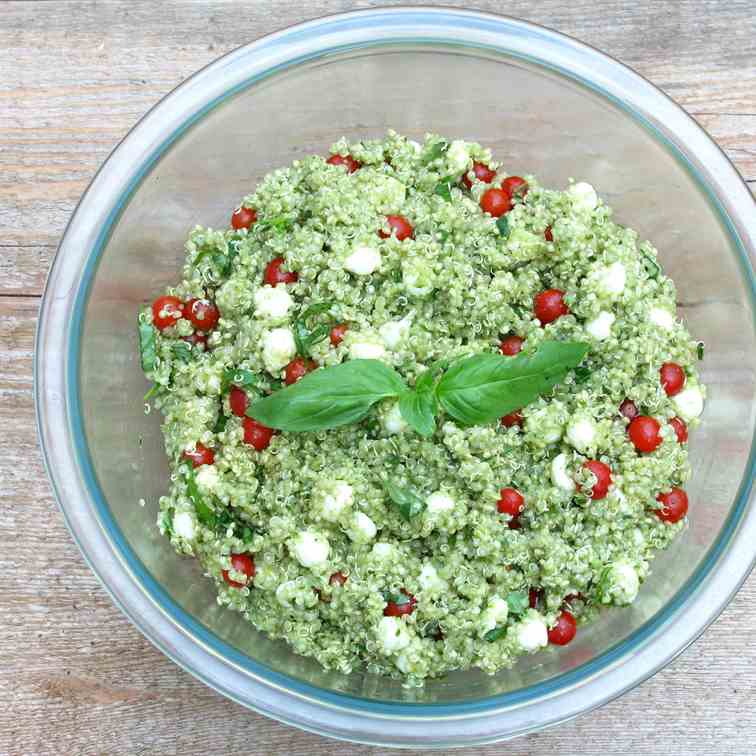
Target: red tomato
{"x":243,"y":217}
{"x":337,"y":333}
{"x":203,"y":314}
{"x":535,"y":597}
{"x":347,"y":161}
{"x":256,"y":434}
{"x":681,"y":430}
{"x":515,"y":186}
{"x":564,"y":630}
{"x":200,"y":455}
{"x":511,"y":345}
{"x":274,"y":275}
{"x":672,"y":378}
{"x":482,"y":172}
{"x":496,"y":202}
{"x":644,"y":433}
{"x":603,"y":475}
{"x":196,"y":338}
{"x":628,"y":409}
{"x":338,"y":578}
{"x":167,"y":311}
{"x":238,"y":401}
{"x":511,"y":502}
{"x":298,"y":368}
{"x":394,"y":609}
{"x":548,"y":235}
{"x":513,"y":418}
{"x":240,"y":563}
{"x":549,"y":305}
{"x":400,"y":227}
{"x":674,"y":505}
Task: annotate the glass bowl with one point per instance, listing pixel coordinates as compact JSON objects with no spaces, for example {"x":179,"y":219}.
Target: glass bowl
{"x":545,"y":104}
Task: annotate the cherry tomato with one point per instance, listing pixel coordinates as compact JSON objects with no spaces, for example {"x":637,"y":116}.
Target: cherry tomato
{"x":672,"y":378}
{"x":548,"y":235}
{"x":535,"y":597}
{"x":203,"y":314}
{"x":628,"y":409}
{"x":603,"y":475}
{"x":200,"y":455}
{"x":243,"y":563}
{"x":238,"y":401}
{"x":256,"y":434}
{"x":400,"y":227}
{"x":495,"y":202}
{"x":515,"y":186}
{"x":674,"y":505}
{"x":394,"y":609}
{"x":511,"y":502}
{"x":347,"y":161}
{"x":196,"y":338}
{"x":549,"y":305}
{"x":298,"y":368}
{"x":338,"y":578}
{"x":564,"y":630}
{"x":482,"y":173}
{"x":243,"y":217}
{"x":681,"y":430}
{"x":511,"y":345}
{"x":274,"y":275}
{"x":513,"y":418}
{"x":644,"y":433}
{"x":167,"y":311}
{"x":337,"y":333}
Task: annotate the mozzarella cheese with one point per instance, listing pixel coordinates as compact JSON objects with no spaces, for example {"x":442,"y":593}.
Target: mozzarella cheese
{"x":207,"y":477}
{"x":311,"y":549}
{"x":584,"y":195}
{"x":601,"y":326}
{"x":559,"y":475}
{"x":394,"y":332}
{"x":458,"y":156}
{"x":662,"y":318}
{"x":393,"y":422}
{"x":430,"y":581}
{"x":495,"y":613}
{"x":581,"y":433}
{"x":366,"y":350}
{"x":382,"y":550}
{"x":337,"y":500}
{"x":532,"y":632}
{"x":392,"y":635}
{"x":272,"y":303}
{"x":363,"y":528}
{"x":689,"y":403}
{"x":279,"y":348}
{"x":439,"y":502}
{"x":363,"y":261}
{"x":624,"y":582}
{"x":183,"y":525}
{"x":611,"y":280}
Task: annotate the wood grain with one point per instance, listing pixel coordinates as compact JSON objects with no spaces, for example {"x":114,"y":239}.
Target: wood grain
{"x":76,"y":677}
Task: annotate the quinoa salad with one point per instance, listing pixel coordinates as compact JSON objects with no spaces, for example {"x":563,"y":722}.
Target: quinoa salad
{"x":421,"y":415}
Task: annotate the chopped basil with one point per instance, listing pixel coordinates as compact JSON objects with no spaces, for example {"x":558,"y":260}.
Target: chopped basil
{"x":582,"y":373}
{"x":304,"y":338}
{"x":700,"y":346}
{"x":147,"y":348}
{"x":204,"y":513}
{"x":503,"y":225}
{"x":237,"y":377}
{"x":650,"y":264}
{"x":407,"y":500}
{"x":518,"y":602}
{"x":495,"y":634}
{"x":444,"y":187}
{"x":182,"y":351}
{"x":436,"y":151}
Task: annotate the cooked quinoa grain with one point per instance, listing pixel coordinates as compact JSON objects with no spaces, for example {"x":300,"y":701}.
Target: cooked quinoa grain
{"x":403,"y":253}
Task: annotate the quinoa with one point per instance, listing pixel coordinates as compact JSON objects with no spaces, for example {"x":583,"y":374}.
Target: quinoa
{"x":328,"y":562}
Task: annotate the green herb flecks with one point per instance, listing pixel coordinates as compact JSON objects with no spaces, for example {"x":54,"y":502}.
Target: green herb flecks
{"x":652,"y":267}
{"x":204,"y":512}
{"x":518,"y":603}
{"x":306,"y":335}
{"x":700,"y":347}
{"x":444,"y":187}
{"x":495,"y":634}
{"x":147,"y":347}
{"x":237,"y":377}
{"x":409,"y":503}
{"x":503,"y":225}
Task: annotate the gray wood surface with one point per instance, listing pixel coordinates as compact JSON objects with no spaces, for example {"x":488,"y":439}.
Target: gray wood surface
{"x":75,"y":676}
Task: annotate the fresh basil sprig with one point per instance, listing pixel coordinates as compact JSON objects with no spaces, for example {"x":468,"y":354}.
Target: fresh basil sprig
{"x":473,"y":390}
{"x":329,"y":397}
{"x":409,"y":503}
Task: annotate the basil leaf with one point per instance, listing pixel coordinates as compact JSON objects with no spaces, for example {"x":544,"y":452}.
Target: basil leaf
{"x":419,"y":408}
{"x":303,"y":337}
{"x":495,"y":634}
{"x":518,"y":603}
{"x":503,"y":225}
{"x":437,"y":150}
{"x":582,"y":374}
{"x":651,"y":265}
{"x":329,"y":397}
{"x":408,"y":501}
{"x":700,"y":346}
{"x":484,"y":387}
{"x":236,"y":377}
{"x":204,"y":513}
{"x":147,"y":349}
{"x":220,"y":423}
{"x":279,"y":223}
{"x":443,"y":188}
{"x":182,"y":351}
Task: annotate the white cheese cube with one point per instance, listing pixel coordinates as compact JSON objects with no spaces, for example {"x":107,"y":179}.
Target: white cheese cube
{"x":581,"y":433}
{"x":279,"y":349}
{"x":272,"y":303}
{"x":311,"y":549}
{"x":392,"y":635}
{"x":584,"y":195}
{"x":689,"y":403}
{"x":363,"y":260}
{"x":183,"y":525}
{"x":601,"y":326}
{"x":439,"y":502}
{"x":531,"y":632}
{"x":662,"y":318}
{"x":559,"y":475}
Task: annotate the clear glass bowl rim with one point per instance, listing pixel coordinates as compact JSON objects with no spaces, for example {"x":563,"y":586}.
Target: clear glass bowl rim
{"x":76,"y":490}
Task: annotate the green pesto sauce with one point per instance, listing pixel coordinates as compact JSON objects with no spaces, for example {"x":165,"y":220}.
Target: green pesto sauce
{"x":312,"y":504}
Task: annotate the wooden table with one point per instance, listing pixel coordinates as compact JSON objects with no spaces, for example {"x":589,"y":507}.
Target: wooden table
{"x":76,"y":677}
